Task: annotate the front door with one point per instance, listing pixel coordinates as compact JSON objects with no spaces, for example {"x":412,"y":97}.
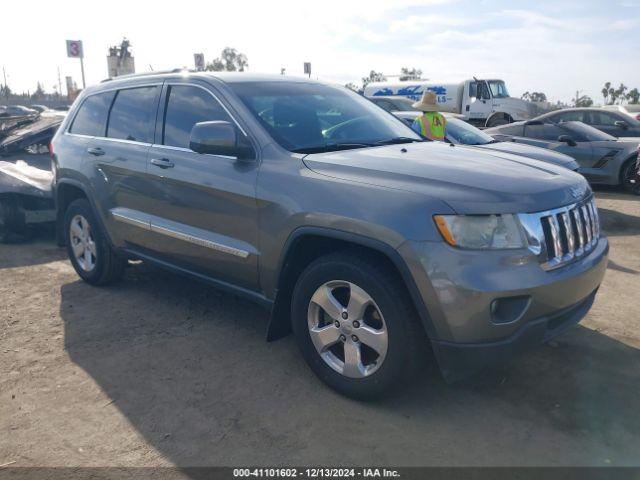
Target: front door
{"x":481,"y":107}
{"x":204,"y":213}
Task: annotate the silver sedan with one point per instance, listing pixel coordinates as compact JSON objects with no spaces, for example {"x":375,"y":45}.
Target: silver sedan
{"x":602,"y":158}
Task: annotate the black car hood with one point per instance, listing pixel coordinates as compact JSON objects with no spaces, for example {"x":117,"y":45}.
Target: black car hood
{"x":468,"y":179}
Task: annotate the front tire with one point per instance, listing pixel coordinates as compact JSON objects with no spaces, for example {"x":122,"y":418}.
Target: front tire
{"x":627,"y":174}
{"x":355,"y":325}
{"x":88,"y":248}
{"x":498,"y":120}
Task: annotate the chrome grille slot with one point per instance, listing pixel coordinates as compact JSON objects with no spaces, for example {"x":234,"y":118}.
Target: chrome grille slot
{"x":587,"y":223}
{"x":566,"y":233}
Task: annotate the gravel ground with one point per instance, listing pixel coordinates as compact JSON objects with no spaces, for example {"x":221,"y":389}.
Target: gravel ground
{"x":159,"y":371}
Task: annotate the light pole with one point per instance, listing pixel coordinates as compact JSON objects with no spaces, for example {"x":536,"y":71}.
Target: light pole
{"x":4,"y":74}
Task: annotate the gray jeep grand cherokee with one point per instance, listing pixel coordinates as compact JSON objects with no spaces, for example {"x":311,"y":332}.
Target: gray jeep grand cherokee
{"x":367,"y":242}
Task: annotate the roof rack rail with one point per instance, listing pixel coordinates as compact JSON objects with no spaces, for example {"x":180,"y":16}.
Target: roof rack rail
{"x":144,"y":74}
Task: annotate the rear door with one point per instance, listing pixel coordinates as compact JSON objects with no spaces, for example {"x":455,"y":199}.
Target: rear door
{"x":204,"y":212}
{"x":120,"y":157}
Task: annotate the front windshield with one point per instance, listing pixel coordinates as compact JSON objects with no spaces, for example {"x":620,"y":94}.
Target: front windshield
{"x":585,"y":132}
{"x":459,"y":131}
{"x":498,"y":89}
{"x":312,"y":117}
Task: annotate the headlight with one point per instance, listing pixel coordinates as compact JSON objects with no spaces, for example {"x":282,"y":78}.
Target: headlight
{"x":481,"y":231}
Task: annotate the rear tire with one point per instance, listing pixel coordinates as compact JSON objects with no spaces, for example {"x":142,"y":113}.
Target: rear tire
{"x":88,"y":248}
{"x":373,"y":322}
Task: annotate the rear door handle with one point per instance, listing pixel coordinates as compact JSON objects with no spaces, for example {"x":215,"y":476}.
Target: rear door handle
{"x":162,"y":162}
{"x":97,"y":151}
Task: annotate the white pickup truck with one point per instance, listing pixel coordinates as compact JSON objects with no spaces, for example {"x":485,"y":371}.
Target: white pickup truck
{"x":481,"y":102}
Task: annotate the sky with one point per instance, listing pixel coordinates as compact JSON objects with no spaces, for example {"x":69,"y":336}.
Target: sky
{"x":556,"y":47}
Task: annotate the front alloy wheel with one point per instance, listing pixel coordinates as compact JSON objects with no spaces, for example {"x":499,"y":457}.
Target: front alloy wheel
{"x":355,"y":324}
{"x":347,"y":329}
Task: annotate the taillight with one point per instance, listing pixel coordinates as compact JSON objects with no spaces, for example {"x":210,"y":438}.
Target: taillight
{"x":51,"y":150}
{"x":638,"y":116}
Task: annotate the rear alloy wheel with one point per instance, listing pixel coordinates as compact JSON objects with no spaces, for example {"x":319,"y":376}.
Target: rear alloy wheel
{"x":91,"y":255}
{"x":355,"y":325}
{"x":82,"y":243}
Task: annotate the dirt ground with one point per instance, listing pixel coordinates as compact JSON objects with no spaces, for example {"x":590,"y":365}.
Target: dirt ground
{"x":158,"y":370}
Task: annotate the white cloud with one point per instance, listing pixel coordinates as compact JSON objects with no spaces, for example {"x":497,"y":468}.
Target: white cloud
{"x":414,"y":23}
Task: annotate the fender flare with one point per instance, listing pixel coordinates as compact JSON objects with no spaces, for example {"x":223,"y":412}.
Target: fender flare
{"x":280,"y":319}
{"x":496,"y":114}
{"x":60,"y":214}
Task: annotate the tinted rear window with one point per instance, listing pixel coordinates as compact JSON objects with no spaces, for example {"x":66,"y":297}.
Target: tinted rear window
{"x":133,"y":115}
{"x":92,"y":115}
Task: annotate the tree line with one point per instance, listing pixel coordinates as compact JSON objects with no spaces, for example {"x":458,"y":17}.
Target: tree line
{"x":619,"y":95}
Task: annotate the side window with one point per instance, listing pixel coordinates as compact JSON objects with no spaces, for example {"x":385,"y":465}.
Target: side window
{"x":133,"y":114}
{"x":483,"y":91}
{"x":543,"y":132}
{"x":601,"y":118}
{"x":187,"y":106}
{"x":387,"y":105}
{"x":473,"y":89}
{"x":91,"y":118}
{"x":575,"y":116}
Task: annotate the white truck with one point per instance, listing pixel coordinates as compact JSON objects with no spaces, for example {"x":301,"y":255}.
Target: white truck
{"x":480,"y":102}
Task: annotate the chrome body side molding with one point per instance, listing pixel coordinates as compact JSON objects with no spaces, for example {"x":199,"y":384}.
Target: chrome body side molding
{"x":186,"y":233}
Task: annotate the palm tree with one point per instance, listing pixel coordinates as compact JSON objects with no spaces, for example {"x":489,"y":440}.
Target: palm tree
{"x":605,"y":91}
{"x":621,"y":92}
{"x":633,"y":96}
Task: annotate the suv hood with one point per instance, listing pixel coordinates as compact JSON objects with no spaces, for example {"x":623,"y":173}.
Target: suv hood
{"x":470,"y":181}
{"x":536,"y":153}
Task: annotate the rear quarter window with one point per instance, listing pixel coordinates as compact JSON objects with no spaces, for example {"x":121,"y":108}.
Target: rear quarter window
{"x":133,"y":114}
{"x":91,"y":118}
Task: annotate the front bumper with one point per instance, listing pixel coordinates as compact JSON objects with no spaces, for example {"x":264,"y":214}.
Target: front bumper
{"x":485,"y":305}
{"x":459,"y":360}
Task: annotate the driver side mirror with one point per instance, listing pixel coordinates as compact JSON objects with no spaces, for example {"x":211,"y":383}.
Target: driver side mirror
{"x":219,"y":138}
{"x":568,"y":140}
{"x":622,"y":124}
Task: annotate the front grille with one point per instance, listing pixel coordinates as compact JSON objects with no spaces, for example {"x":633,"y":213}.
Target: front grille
{"x":564,"y":234}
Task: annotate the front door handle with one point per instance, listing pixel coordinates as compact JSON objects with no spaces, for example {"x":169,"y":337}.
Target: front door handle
{"x":162,"y":162}
{"x":96,"y":151}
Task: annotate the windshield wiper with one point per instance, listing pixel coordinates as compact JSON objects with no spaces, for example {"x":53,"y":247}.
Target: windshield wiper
{"x":397,"y":140}
{"x":332,"y":147}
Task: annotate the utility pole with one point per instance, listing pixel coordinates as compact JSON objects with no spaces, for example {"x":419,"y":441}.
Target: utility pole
{"x":4,"y":73}
{"x":59,"y":83}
